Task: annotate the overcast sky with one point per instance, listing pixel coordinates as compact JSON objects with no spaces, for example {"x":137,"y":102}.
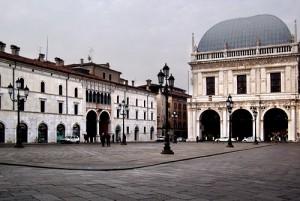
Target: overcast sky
{"x":135,"y":36}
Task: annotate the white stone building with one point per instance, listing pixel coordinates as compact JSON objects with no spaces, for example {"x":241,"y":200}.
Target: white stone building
{"x":69,"y":100}
{"x":256,"y":60}
{"x":49,"y":112}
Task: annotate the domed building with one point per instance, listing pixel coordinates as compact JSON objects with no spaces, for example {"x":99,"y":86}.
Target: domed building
{"x":256,"y":61}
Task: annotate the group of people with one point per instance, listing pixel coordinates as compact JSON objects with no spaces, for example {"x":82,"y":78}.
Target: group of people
{"x":105,"y":137}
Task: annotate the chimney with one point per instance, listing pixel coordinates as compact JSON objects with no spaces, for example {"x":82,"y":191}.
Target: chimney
{"x":59,"y":61}
{"x":148,"y":84}
{"x":2,"y":46}
{"x":81,"y":61}
{"x":132,"y":83}
{"x":41,"y":57}
{"x":15,"y":50}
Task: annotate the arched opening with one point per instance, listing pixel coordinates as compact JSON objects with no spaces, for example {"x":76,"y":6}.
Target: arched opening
{"x":103,"y":122}
{"x":151,"y":133}
{"x":275,"y":125}
{"x":60,"y":133}
{"x":118,"y":133}
{"x":241,"y":124}
{"x":136,"y":133}
{"x":43,"y":133}
{"x":24,"y":132}
{"x":2,"y":133}
{"x":210,"y":125}
{"x":76,"y":130}
{"x":91,"y":125}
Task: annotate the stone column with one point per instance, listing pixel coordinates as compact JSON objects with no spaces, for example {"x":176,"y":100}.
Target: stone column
{"x":292,"y":125}
{"x":225,"y":123}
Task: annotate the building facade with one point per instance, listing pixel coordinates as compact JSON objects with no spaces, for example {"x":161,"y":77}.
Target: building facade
{"x":64,"y":100}
{"x":177,"y":108}
{"x":256,"y":61}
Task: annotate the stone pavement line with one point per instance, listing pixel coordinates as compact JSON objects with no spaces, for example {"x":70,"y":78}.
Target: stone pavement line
{"x":132,"y":167}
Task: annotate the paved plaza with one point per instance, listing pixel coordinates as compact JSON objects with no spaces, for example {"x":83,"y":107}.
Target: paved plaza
{"x":197,"y":171}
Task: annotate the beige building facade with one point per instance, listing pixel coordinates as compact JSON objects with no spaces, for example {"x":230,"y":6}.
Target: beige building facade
{"x":256,"y":61}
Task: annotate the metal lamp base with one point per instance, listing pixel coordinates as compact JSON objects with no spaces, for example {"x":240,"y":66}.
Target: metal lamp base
{"x":230,"y":145}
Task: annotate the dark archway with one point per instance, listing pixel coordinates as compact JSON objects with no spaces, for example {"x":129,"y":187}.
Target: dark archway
{"x":241,"y":124}
{"x":210,"y":125}
{"x":104,"y":120}
{"x":60,"y":133}
{"x":91,"y":125}
{"x":43,"y":133}
{"x":76,"y":130}
{"x":2,"y":133}
{"x":118,"y":131}
{"x":24,"y":132}
{"x":275,"y":125}
{"x":151,"y":133}
{"x":136,"y":133}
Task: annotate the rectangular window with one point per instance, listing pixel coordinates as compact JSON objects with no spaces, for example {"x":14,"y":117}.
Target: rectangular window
{"x":127,"y":101}
{"x":117,"y":99}
{"x":60,"y":108}
{"x":109,"y":77}
{"x":275,"y":82}
{"x":136,"y":114}
{"x":144,"y":115}
{"x":127,"y":129}
{"x":60,"y":90}
{"x":151,"y":104}
{"x":127,"y":114}
{"x":151,"y":115}
{"x":76,"y":109}
{"x":0,"y":102}
{"x":103,"y":75}
{"x":210,"y":86}
{"x":136,"y":102}
{"x":144,"y":129}
{"x":42,"y":106}
{"x":144,"y":103}
{"x":241,"y":84}
{"x":118,"y":113}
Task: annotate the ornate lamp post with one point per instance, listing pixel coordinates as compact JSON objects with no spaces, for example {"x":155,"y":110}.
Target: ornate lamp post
{"x":123,"y":108}
{"x":174,"y":116}
{"x":11,"y":90}
{"x":168,"y":81}
{"x":254,"y":110}
{"x":229,"y":105}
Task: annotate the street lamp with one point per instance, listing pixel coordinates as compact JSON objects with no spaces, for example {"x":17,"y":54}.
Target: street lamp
{"x":11,"y":90}
{"x":254,"y":110}
{"x":174,"y":116}
{"x":229,"y":105}
{"x":123,"y":108}
{"x":168,"y":81}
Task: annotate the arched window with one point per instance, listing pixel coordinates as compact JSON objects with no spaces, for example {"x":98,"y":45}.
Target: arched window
{"x":94,"y":97}
{"x":60,"y":133}
{"x":109,"y":99}
{"x":105,"y":98}
{"x":42,"y":133}
{"x":76,"y":130}
{"x":42,"y":87}
{"x":76,"y":92}
{"x":101,"y":98}
{"x":60,"y":90}
{"x":90,"y":96}
{"x":87,"y":96}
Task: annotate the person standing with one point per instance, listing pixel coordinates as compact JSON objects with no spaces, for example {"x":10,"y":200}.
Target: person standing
{"x":107,"y":139}
{"x":102,"y":138}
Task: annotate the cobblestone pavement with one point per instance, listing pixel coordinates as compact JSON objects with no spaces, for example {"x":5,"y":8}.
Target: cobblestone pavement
{"x":264,"y":173}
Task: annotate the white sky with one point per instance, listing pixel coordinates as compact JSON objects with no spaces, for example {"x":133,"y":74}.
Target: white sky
{"x":135,"y":36}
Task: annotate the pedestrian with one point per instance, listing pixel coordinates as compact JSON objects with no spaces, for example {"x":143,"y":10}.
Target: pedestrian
{"x":197,"y":139}
{"x":102,"y":138}
{"x":107,"y":136}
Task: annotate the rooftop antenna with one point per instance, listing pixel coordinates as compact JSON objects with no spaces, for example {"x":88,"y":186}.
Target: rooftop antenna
{"x":47,"y":50}
{"x":295,"y":36}
{"x":90,"y":55}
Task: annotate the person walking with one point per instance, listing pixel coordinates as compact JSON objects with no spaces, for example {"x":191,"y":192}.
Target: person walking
{"x":107,"y":139}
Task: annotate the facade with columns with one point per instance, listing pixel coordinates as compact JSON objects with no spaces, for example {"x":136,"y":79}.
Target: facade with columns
{"x":256,"y":61}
